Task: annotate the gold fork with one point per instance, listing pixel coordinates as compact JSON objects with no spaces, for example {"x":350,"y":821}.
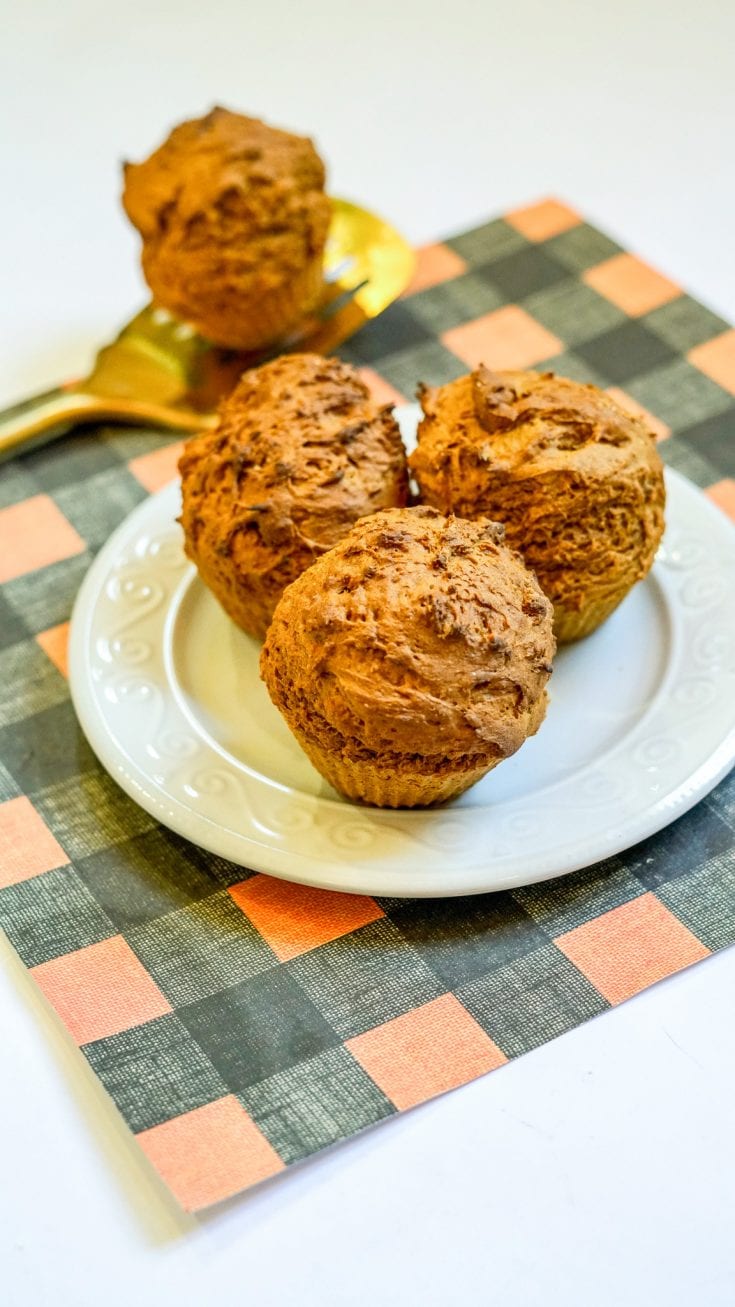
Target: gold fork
{"x":159,"y":371}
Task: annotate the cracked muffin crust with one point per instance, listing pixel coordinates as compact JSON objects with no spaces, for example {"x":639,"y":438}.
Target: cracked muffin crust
{"x":234,"y":220}
{"x":300,"y":452}
{"x":576,"y":480}
{"x":411,"y":658}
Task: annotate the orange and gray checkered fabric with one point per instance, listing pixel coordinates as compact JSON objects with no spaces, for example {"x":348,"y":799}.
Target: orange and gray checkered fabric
{"x":241,"y":1023}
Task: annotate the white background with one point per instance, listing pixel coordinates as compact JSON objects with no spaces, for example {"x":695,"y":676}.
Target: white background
{"x":599,"y":1170}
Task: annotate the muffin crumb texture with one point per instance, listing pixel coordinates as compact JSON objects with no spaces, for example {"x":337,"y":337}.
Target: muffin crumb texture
{"x":411,"y":658}
{"x":576,"y":480}
{"x":234,"y":220}
{"x":301,"y":451}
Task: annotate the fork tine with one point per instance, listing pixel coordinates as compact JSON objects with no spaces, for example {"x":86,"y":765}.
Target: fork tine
{"x":336,"y":329}
{"x":339,"y":301}
{"x":315,"y":329}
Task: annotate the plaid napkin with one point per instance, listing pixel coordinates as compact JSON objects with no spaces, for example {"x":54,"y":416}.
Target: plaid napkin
{"x":241,"y":1023}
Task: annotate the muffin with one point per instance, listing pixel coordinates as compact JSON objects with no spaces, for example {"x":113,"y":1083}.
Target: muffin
{"x":300,"y":452}
{"x":412,"y":658}
{"x":234,"y":220}
{"x":576,"y":480}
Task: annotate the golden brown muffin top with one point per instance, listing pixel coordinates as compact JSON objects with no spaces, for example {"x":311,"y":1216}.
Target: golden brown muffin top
{"x":236,"y":181}
{"x":301,"y":452}
{"x":526,"y":424}
{"x":576,"y":480}
{"x":417,"y":636}
{"x":300,"y":449}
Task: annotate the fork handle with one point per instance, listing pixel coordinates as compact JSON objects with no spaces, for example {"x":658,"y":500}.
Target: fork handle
{"x":43,"y":417}
{"x":39,"y":418}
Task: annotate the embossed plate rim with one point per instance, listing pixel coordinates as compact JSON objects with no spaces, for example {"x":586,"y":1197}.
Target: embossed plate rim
{"x":335,"y":845}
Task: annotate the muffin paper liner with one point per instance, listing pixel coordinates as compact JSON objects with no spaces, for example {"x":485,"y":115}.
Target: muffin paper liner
{"x":569,"y":626}
{"x":241,"y":1023}
{"x":368,"y":783}
{"x":280,"y":311}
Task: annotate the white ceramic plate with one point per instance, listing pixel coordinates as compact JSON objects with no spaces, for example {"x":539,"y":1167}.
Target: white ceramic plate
{"x":641,"y":724}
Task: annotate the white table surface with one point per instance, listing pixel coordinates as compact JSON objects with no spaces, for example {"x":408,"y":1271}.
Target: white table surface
{"x":599,"y":1170}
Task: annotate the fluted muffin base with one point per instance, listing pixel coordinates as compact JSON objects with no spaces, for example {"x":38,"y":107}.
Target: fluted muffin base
{"x":390,"y":787}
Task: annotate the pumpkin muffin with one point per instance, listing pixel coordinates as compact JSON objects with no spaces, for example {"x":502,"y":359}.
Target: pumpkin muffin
{"x":300,"y":452}
{"x":412,"y":658}
{"x":576,"y":480}
{"x":234,"y":220}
